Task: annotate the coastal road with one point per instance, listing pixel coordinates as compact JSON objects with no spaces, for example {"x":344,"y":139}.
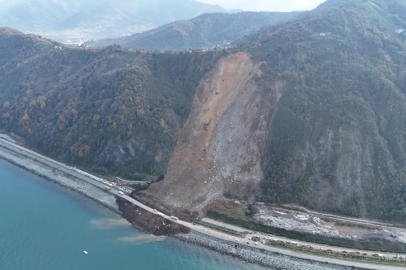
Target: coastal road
{"x":56,"y":165}
{"x":240,"y":241}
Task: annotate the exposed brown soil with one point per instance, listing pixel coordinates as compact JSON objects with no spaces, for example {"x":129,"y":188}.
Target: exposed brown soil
{"x":147,"y":222}
{"x":182,"y":213}
{"x":221,"y":147}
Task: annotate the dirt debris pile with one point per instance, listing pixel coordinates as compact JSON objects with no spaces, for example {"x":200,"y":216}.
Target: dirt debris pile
{"x":147,"y":222}
{"x":221,"y":147}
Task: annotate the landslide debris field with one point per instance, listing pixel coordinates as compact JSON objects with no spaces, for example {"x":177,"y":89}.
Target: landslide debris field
{"x":227,"y":111}
{"x":327,"y":226}
{"x":297,"y":223}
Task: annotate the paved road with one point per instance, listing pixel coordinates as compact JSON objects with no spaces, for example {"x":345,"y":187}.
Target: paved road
{"x":224,"y":225}
{"x":53,"y":164}
{"x":123,"y":181}
{"x":8,"y":138}
{"x":85,"y":177}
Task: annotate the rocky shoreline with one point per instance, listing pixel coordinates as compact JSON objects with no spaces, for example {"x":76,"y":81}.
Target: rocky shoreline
{"x":256,"y":256}
{"x":62,"y":179}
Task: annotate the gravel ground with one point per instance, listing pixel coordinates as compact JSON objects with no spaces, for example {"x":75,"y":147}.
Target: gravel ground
{"x":64,"y":180}
{"x":252,"y":255}
{"x":309,"y":223}
{"x":303,"y":223}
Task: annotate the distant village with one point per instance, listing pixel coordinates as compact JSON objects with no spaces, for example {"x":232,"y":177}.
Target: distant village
{"x":217,"y":47}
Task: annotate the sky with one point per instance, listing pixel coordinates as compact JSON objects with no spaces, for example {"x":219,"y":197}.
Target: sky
{"x":248,"y":5}
{"x":266,"y":5}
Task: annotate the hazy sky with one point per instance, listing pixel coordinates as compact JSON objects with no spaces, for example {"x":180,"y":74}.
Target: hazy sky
{"x":249,"y":5}
{"x":266,"y":5}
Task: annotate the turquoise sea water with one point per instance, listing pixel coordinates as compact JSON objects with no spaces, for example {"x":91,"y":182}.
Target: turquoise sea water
{"x":43,"y":226}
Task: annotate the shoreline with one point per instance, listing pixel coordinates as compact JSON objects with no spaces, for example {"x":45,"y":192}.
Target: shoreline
{"x":268,"y":259}
{"x":61,"y":179}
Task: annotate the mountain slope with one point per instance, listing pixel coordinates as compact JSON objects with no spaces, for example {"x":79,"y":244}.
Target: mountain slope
{"x":337,"y":143}
{"x":40,"y":15}
{"x":311,"y":112}
{"x":223,"y":138}
{"x":112,"y":109}
{"x":82,"y":20}
{"x":205,"y":31}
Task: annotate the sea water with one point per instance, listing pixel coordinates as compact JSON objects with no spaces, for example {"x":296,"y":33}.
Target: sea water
{"x":46,"y":227}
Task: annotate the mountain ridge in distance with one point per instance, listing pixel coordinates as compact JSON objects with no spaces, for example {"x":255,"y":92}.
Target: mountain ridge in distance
{"x":204,"y":31}
{"x":82,"y":20}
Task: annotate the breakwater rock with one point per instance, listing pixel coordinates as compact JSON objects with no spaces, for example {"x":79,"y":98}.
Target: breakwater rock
{"x":257,"y":256}
{"x":60,"y":178}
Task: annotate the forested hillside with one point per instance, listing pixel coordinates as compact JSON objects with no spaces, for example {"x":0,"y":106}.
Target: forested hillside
{"x":115,"y":110}
{"x":338,"y":136}
{"x":205,"y":31}
{"x":311,"y":112}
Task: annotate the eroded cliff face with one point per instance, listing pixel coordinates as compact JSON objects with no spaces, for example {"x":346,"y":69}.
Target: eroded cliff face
{"x":221,"y":147}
